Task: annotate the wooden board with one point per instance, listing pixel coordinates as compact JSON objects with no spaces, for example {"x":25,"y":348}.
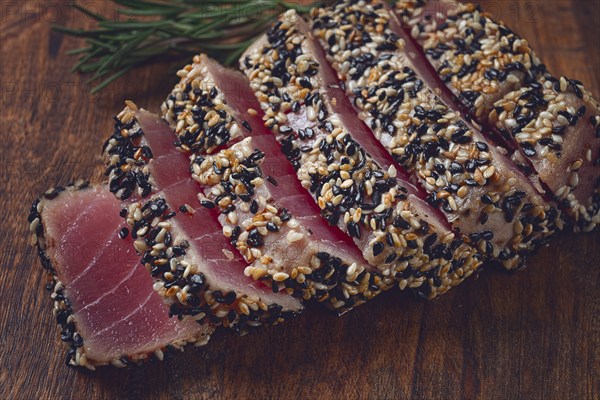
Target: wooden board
{"x":532,"y":335}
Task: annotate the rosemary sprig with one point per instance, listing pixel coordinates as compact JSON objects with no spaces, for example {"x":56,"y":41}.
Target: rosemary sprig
{"x":154,"y":29}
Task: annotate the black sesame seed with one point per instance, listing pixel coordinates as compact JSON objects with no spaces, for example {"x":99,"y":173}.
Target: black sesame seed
{"x":483,"y":219}
{"x":487,"y":235}
{"x":456,"y":168}
{"x":378,"y":248}
{"x":482,"y":146}
{"x":123,"y":233}
{"x":285,"y":215}
{"x":147,"y":152}
{"x":528,"y":149}
{"x":390,"y":258}
{"x":255,"y":238}
{"x":207,"y":204}
{"x":229,"y":298}
{"x":272,"y":180}
{"x":254,"y":207}
{"x":284,"y":129}
{"x":246,"y":125}
{"x":486,"y":199}
{"x":218,"y":296}
{"x":389,"y":239}
{"x":431,"y":239}
{"x":354,"y":229}
{"x":305,"y":83}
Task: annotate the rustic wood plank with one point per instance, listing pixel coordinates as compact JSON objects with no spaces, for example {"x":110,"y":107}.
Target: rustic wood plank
{"x":533,"y":335}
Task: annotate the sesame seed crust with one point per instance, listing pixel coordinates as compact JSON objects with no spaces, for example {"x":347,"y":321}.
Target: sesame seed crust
{"x":463,"y":174}
{"x":555,"y":123}
{"x":479,"y":59}
{"x":62,"y":309}
{"x":351,"y":189}
{"x":269,"y":236}
{"x":281,"y":250}
{"x":176,"y":266}
{"x":179,"y":276}
{"x":197,"y":110}
{"x":126,"y":159}
{"x":497,"y":76}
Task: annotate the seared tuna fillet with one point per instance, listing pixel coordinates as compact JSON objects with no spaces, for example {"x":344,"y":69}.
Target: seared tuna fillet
{"x":281,"y":247}
{"x":556,"y":124}
{"x":197,"y":270}
{"x":347,"y":173}
{"x":375,"y":145}
{"x":480,"y":191}
{"x":480,"y":60}
{"x":104,"y":300}
{"x":550,"y":123}
{"x":267,"y":214}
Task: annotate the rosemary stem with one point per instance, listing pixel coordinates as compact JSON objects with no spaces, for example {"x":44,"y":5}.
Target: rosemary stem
{"x":148,"y":30}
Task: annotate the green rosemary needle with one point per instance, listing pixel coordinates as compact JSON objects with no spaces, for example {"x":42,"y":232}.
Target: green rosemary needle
{"x":146,"y":31}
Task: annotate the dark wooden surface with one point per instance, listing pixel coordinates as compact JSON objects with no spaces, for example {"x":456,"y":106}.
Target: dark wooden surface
{"x":533,"y":335}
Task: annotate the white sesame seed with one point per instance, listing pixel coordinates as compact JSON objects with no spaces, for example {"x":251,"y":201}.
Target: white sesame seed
{"x":489,"y":172}
{"x":293,"y":236}
{"x":574,"y":179}
{"x":280,"y":277}
{"x":512,"y":78}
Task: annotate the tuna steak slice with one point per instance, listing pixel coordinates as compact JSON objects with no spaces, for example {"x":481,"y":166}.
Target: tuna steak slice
{"x":556,"y":124}
{"x":551,"y":125}
{"x":364,"y":196}
{"x":196,"y":269}
{"x":292,"y":252}
{"x":267,"y":214}
{"x":480,"y":66}
{"x":480,"y":191}
{"x":104,"y":300}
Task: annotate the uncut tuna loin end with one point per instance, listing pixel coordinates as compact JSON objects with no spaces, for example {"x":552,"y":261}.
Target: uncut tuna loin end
{"x":104,"y":301}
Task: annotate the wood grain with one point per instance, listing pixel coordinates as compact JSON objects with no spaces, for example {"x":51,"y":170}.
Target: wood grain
{"x":533,"y":335}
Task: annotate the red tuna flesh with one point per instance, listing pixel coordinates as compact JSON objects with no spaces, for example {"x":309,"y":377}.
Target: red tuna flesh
{"x":550,"y":125}
{"x":363,"y":194}
{"x":276,"y":225}
{"x":480,"y":191}
{"x":196,"y":268}
{"x":104,"y":299}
